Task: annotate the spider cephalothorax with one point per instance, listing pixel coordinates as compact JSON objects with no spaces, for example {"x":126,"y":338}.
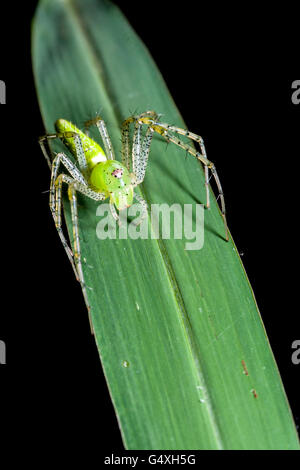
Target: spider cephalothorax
{"x":113,"y":179}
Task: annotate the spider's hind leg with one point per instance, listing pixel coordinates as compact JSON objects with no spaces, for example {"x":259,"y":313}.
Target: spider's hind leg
{"x":42,"y":141}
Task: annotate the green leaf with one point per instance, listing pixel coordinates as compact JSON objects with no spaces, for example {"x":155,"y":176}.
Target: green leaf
{"x":181,"y":341}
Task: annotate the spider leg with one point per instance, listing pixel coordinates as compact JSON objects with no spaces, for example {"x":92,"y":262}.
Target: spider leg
{"x":140,"y":150}
{"x":45,"y":153}
{"x":200,"y":141}
{"x":76,"y":263}
{"x":165,"y":131}
{"x":77,"y":250}
{"x":144,"y":207}
{"x":100,"y":124}
{"x":73,"y":186}
{"x":55,"y":207}
{"x":46,"y":138}
{"x":114,"y":213}
{"x":80,"y":155}
{"x":55,"y":195}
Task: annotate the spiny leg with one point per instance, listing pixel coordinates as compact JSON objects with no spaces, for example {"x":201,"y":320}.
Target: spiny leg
{"x":114,"y":213}
{"x":73,"y":187}
{"x":42,"y":140}
{"x":99,"y":122}
{"x":77,"y":250}
{"x":70,"y":166}
{"x":78,"y":148}
{"x":200,"y":141}
{"x":56,"y":198}
{"x":164,"y":130}
{"x":55,"y":208}
{"x":196,"y":138}
{"x":45,"y":153}
{"x":143,"y":203}
{"x":55,"y":195}
{"x":140,"y":151}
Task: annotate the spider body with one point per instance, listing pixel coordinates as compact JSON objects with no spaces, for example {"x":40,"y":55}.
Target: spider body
{"x":98,"y":175}
{"x":109,"y":177}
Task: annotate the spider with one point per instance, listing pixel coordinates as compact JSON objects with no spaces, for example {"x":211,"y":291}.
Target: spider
{"x":99,"y":176}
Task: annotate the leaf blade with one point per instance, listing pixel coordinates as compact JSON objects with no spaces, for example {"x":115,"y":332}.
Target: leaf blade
{"x":187,"y":348}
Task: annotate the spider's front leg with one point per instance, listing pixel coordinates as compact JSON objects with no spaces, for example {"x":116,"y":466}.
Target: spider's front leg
{"x":73,"y":186}
{"x":140,"y":146}
{"x":144,"y":210}
{"x":139,"y":151}
{"x":55,"y":205}
{"x":75,"y":182}
{"x":76,"y":263}
{"x":167,"y":131}
{"x":114,"y":213}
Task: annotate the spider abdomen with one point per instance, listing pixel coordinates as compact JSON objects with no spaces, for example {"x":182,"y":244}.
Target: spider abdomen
{"x":93,"y":152}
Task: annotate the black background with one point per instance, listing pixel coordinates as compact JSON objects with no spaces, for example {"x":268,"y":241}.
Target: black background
{"x":224,"y":76}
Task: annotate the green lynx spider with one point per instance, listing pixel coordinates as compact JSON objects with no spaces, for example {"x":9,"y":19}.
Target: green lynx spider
{"x":100,"y":176}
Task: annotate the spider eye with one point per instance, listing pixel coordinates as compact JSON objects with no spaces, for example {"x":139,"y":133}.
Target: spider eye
{"x":118,"y":173}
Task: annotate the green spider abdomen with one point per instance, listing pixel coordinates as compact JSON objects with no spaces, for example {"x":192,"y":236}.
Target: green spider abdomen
{"x":93,"y":152}
{"x":113,"y":179}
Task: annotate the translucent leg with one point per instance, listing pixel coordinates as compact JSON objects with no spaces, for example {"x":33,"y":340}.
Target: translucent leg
{"x":98,"y":121}
{"x":45,"y":153}
{"x":140,"y":149}
{"x":144,"y":208}
{"x":55,"y":195}
{"x":165,"y":130}
{"x":55,"y":208}
{"x":78,"y":148}
{"x":114,"y":213}
{"x":69,"y":165}
{"x":73,"y":187}
{"x":199,"y":140}
{"x":77,"y":250}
